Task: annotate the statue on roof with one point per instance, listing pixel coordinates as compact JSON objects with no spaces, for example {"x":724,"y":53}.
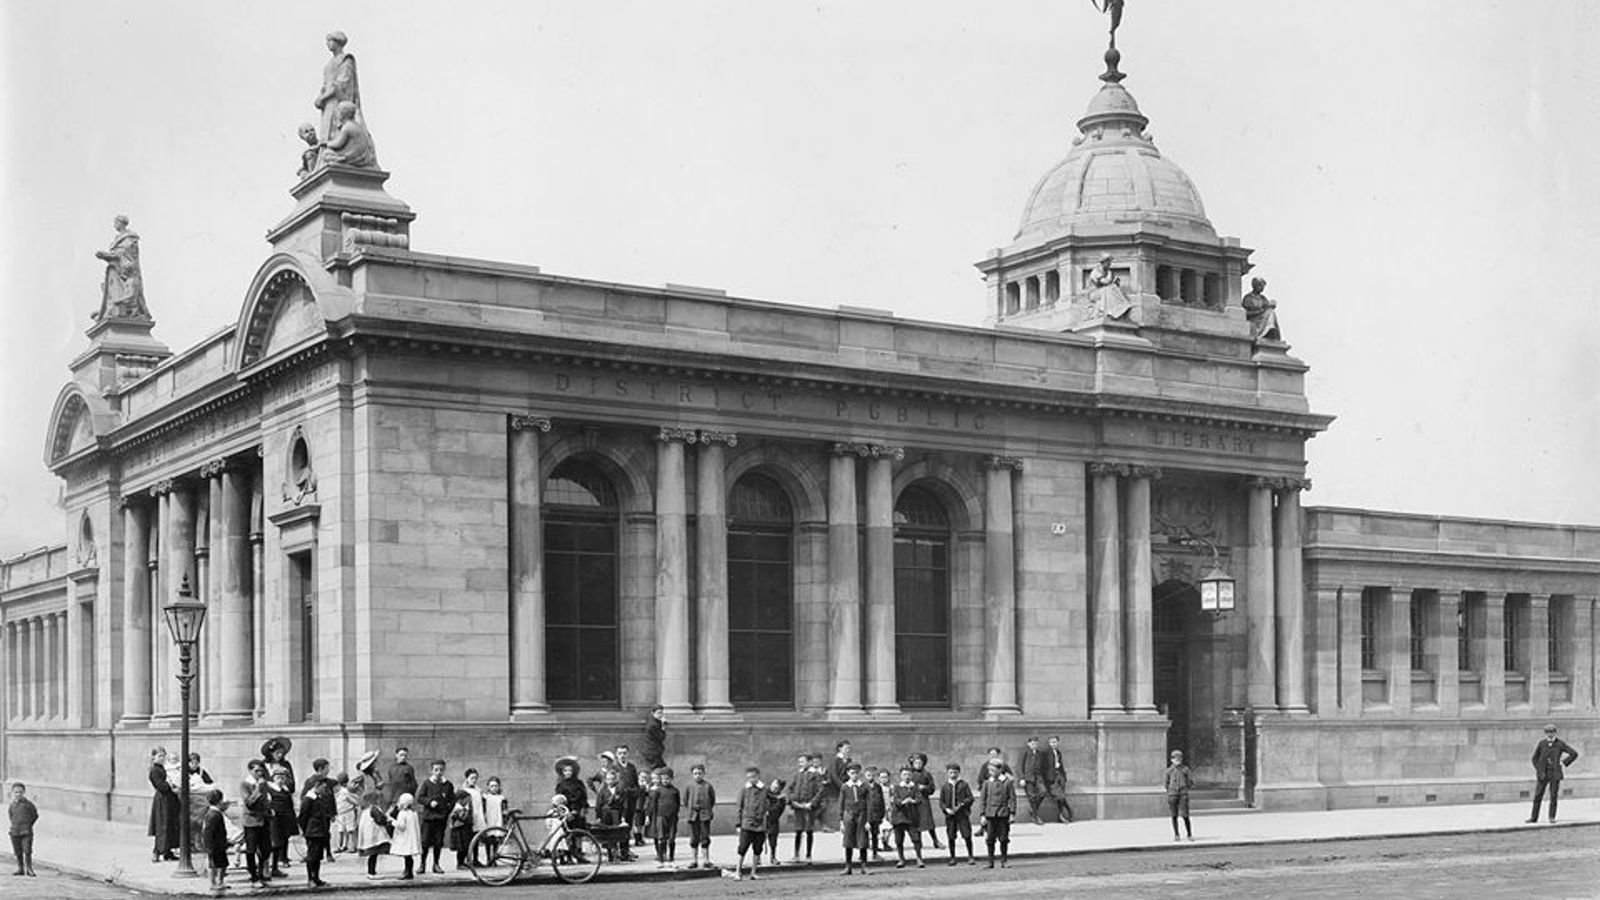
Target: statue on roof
{"x":1261,"y":313}
{"x":1105,"y":291}
{"x":122,"y":291}
{"x":1114,"y":9}
{"x":350,"y":144}
{"x":339,"y":85}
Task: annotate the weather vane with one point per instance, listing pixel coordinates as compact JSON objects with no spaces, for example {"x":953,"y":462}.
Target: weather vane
{"x":1113,"y":56}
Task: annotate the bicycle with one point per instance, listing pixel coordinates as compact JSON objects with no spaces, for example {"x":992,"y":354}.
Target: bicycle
{"x":507,"y":853}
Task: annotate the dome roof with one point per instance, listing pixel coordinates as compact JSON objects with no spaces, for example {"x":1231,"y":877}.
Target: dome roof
{"x":1113,"y":178}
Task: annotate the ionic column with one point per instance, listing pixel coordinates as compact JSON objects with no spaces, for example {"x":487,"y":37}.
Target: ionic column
{"x":882,"y":696}
{"x":844,"y":582}
{"x":179,"y":551}
{"x":161,"y":686}
{"x":672,"y":570}
{"x":1398,"y":602}
{"x":1583,"y":649}
{"x":1493,"y":652}
{"x":1445,"y":636}
{"x":13,"y":675}
{"x":209,"y":567}
{"x":56,"y":683}
{"x":1260,"y":608}
{"x":258,"y":588}
{"x":1138,"y":617}
{"x":711,"y":552}
{"x":528,"y":685}
{"x":36,"y":655}
{"x":1290,"y":599}
{"x":235,"y":637}
{"x":1538,"y":653}
{"x":1000,"y":590}
{"x":1106,"y":686}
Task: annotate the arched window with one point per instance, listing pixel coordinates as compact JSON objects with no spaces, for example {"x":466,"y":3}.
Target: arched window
{"x":921,"y":600}
{"x":580,"y":587}
{"x":760,"y":594}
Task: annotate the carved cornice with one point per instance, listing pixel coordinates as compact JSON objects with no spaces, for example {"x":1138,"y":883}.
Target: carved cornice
{"x":530,"y":423}
{"x":1014,"y":463}
{"x":719,"y":437}
{"x":669,"y":433}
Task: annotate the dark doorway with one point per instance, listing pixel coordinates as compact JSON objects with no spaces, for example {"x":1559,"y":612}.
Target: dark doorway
{"x":1176,"y":605}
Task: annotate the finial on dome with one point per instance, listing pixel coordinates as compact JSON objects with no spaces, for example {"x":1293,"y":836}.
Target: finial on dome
{"x":1112,"y":8}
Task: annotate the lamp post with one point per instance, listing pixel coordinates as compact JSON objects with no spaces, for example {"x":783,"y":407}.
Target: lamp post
{"x":1216,"y":586}
{"x":185,"y":615}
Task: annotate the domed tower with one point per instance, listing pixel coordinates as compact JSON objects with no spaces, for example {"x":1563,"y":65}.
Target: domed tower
{"x":1116,"y":236}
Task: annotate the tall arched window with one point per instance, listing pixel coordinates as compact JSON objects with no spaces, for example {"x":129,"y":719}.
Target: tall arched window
{"x":921,"y":600}
{"x":580,"y":587}
{"x":760,"y":594}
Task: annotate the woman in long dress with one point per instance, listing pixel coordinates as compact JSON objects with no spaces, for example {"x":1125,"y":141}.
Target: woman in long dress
{"x":164,"y":809}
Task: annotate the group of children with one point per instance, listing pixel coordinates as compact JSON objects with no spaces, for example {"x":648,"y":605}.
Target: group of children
{"x":409,"y":819}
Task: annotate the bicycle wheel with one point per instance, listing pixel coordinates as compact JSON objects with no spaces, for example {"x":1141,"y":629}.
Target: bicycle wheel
{"x":577,"y":857}
{"x":504,"y":855}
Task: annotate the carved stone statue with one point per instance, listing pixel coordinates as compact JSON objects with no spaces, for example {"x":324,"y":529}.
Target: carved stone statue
{"x":350,"y":144}
{"x":122,"y":293}
{"x":1105,"y":291}
{"x":339,"y":85}
{"x":1114,"y":8}
{"x":1261,"y":312}
{"x":308,"y":156}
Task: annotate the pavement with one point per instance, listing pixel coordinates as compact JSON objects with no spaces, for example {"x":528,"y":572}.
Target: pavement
{"x":119,"y":853}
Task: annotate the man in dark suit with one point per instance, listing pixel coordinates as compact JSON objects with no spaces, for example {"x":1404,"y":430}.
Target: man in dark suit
{"x":1033,"y":773}
{"x":1550,"y":757}
{"x":1056,"y":778}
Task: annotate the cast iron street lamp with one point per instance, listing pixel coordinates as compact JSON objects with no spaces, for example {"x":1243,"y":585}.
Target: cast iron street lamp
{"x":185,"y":615}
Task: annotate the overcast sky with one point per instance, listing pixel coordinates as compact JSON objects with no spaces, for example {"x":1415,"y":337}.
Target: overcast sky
{"x":1419,"y":180}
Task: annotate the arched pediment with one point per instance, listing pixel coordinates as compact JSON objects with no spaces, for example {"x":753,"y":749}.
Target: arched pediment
{"x":289,"y":303}
{"x":78,"y":419}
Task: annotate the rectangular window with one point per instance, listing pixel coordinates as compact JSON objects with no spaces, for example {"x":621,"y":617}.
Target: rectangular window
{"x":1419,"y":632}
{"x":1369,"y":629}
{"x":1513,"y":634}
{"x":1465,"y":616}
{"x":303,"y":602}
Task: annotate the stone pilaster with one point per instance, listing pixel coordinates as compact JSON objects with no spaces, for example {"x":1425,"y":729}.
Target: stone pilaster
{"x":1260,"y":607}
{"x":179,"y":552}
{"x":52,"y":667}
{"x":208,"y":557}
{"x":1443,"y":636}
{"x":1325,"y":671}
{"x":1289,"y":599}
{"x":672,"y":570}
{"x":163,"y":584}
{"x":528,"y":684}
{"x":1396,"y":604}
{"x":882,"y":696}
{"x":1139,"y":685}
{"x":1583,"y":654}
{"x":235,"y":599}
{"x":711,"y":549}
{"x":135,"y":614}
{"x":1537,"y":653}
{"x":1106,"y":529}
{"x":1350,"y":699}
{"x":37,"y":652}
{"x":844,"y":582}
{"x":1000,"y":590}
{"x":1492,"y":652}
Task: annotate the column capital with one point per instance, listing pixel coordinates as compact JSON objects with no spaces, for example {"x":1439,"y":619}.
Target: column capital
{"x":1014,"y":463}
{"x":528,"y":422}
{"x":131,"y":501}
{"x":668,"y":433}
{"x":214,"y":468}
{"x":162,"y":487}
{"x":1109,"y":468}
{"x":1148,"y":472}
{"x":729,"y":438}
{"x":886,"y":451}
{"x":1279,"y":483}
{"x":850,"y":448}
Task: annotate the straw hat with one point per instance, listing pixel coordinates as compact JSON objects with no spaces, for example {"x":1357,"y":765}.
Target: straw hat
{"x":367,"y":760}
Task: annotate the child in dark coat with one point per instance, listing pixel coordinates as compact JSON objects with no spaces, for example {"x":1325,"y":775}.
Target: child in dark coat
{"x":699,"y":804}
{"x":905,"y":799}
{"x":318,"y":809}
{"x":752,"y":821}
{"x":776,"y":798}
{"x":661,"y":808}
{"x":214,"y":839}
{"x":461,"y":827}
{"x":280,"y":800}
{"x":23,"y":815}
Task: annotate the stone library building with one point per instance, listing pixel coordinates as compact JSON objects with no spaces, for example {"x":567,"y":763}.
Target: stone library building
{"x":496,"y":515}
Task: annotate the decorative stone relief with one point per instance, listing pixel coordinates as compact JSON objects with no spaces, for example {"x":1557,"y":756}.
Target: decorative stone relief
{"x":530,"y":423}
{"x":1188,"y":510}
{"x":302,"y":481}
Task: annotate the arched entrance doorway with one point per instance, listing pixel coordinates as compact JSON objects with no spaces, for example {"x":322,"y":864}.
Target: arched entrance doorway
{"x":1186,"y":679}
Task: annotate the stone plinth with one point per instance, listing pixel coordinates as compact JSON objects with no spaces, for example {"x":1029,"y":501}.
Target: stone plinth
{"x":340,"y":209}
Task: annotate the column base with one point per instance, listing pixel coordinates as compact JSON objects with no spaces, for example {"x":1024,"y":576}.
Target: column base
{"x":1297,"y":710}
{"x":845,"y":713}
{"x":1106,"y":712}
{"x":994,"y":713}
{"x":718,"y":711}
{"x":677,"y":709}
{"x":530,"y":712}
{"x":1144,"y":710}
{"x":226,"y":718}
{"x":892,"y":711}
{"x":134,"y":722}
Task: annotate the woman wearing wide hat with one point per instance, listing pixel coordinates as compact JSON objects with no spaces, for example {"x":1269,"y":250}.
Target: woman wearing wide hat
{"x":924,"y":781}
{"x":568,"y":785}
{"x":367,"y":777}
